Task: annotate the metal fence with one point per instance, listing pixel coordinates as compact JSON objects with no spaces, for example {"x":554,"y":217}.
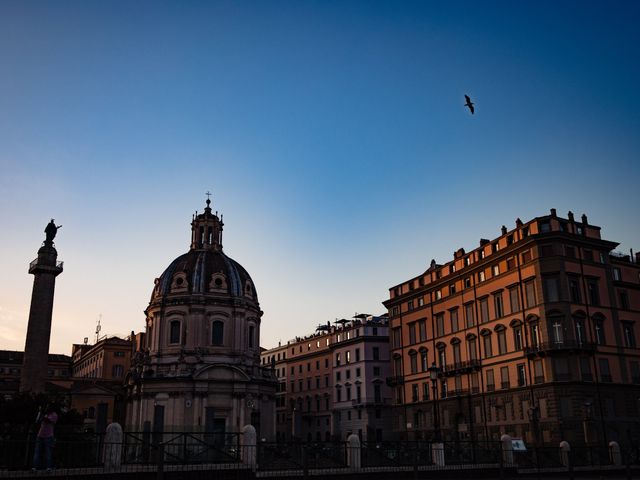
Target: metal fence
{"x":148,"y":455}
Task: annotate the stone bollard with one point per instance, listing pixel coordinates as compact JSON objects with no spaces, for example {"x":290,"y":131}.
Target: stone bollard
{"x":615,"y":454}
{"x":354,"y":459}
{"x":112,"y":452}
{"x":437,"y":454}
{"x":249,"y":446}
{"x":507,"y":449}
{"x":565,"y":448}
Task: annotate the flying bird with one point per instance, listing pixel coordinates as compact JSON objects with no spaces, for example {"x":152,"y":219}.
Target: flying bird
{"x":469,"y":103}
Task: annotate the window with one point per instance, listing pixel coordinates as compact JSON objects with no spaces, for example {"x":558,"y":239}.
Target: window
{"x":530,"y":293}
{"x":468,"y":314}
{"x":338,"y":361}
{"x":574,"y":290}
{"x":251,"y":336}
{"x":338,"y":376}
{"x":550,"y":285}
{"x":502,"y":341}
{"x":538,"y":371}
{"x":495,"y":247}
{"x":580,"y":332}
{"x":452,"y":289}
{"x":599,"y":329}
{"x":412,"y":333}
{"x":425,"y":391}
{"x":413,"y":356}
{"x":174,"y":332}
{"x":585,"y":369}
{"x":624,"y":300}
{"x":438,"y":294}
{"x":517,"y":337}
{"x":440,"y":324}
{"x":467,"y":282}
{"x":497,"y":304}
{"x":376,"y":353}
{"x":414,"y":392}
{"x":473,"y":351}
{"x":456,"y":352}
{"x":357,"y":354}
{"x":557,"y":330}
{"x":348,"y":356}
{"x":616,"y":274}
{"x":410,"y":305}
{"x":452,"y":268}
{"x":488,"y":352}
{"x":594,"y":292}
{"x":484,"y":310}
{"x":481,"y":276}
{"x":535,"y":335}
{"x":634,"y":368}
{"x":423,"y":360}
{"x":605,"y":373}
{"x":491,"y":385}
{"x":453,"y":314}
{"x":421,"y":301}
{"x":569,"y":251}
{"x":422,"y":330}
{"x":629,"y":335}
{"x":217,"y":333}
{"x":504,"y":377}
{"x":376,"y":371}
{"x":514,"y":299}
{"x":588,"y":255}
{"x":397,"y":337}
{"x":117,"y":371}
{"x":495,"y":270}
{"x":526,"y":256}
{"x":442,"y":357}
{"x":511,"y":263}
{"x":522,"y":377}
{"x":347,"y":374}
{"x":545,"y":227}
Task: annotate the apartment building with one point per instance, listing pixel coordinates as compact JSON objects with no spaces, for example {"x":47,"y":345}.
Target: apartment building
{"x":332,"y":383}
{"x":531,"y":334}
{"x":362,"y":399}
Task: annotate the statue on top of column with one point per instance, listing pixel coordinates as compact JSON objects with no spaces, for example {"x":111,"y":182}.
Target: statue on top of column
{"x":50,"y":231}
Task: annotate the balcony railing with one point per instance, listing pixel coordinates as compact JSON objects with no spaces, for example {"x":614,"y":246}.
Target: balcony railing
{"x":34,"y":264}
{"x":461,"y":367}
{"x":505,"y":385}
{"x":538,"y":379}
{"x":564,"y":346}
{"x":371,"y":401}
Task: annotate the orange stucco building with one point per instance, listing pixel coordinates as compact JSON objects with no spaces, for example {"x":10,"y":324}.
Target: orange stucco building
{"x":534,"y":334}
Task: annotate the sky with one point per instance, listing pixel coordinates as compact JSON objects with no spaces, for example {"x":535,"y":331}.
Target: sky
{"x":332,"y":134}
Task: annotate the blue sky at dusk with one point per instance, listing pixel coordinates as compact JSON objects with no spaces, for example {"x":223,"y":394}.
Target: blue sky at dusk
{"x":332,"y":134}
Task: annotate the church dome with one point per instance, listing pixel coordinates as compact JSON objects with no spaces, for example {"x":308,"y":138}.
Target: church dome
{"x":205,"y":269}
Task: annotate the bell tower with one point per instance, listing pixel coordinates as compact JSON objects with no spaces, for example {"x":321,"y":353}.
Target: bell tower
{"x":206,"y":230}
{"x":45,"y":269}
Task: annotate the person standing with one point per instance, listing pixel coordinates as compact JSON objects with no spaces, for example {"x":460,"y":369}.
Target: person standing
{"x":45,"y":439}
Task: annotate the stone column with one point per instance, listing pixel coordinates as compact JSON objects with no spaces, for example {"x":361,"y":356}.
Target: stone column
{"x":45,"y":269}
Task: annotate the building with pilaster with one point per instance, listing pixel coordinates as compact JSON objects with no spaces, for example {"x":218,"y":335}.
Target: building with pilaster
{"x":533,"y":334}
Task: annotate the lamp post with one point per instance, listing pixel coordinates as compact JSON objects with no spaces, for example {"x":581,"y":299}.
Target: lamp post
{"x":434,"y":371}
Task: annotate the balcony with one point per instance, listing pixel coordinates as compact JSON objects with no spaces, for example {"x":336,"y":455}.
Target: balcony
{"x":567,"y":346}
{"x":461,"y":367}
{"x":538,"y":379}
{"x":505,"y":385}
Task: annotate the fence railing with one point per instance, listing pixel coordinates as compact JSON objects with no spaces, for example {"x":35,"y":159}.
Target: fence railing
{"x":154,"y":453}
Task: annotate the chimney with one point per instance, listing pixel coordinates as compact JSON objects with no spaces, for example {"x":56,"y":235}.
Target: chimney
{"x":483,"y":241}
{"x":503,"y":230}
{"x":570,"y":215}
{"x":553,"y":212}
{"x":518,"y":222}
{"x":584,"y":219}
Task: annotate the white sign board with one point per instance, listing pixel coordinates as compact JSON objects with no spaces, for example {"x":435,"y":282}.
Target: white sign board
{"x":518,"y":445}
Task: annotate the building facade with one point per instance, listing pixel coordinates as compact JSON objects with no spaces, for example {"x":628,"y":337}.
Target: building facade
{"x":533,"y":335}
{"x":332,"y":382}
{"x":199,"y":369}
{"x":58,"y":372}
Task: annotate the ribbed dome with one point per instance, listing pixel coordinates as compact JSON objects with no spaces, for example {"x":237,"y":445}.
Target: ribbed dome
{"x":205,"y":271}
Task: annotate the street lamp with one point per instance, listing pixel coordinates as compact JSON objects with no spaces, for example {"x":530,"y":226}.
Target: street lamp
{"x":434,"y":371}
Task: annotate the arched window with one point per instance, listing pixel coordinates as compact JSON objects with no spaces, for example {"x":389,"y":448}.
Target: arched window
{"x":174,"y":332}
{"x":251,"y":336}
{"x":217,"y":332}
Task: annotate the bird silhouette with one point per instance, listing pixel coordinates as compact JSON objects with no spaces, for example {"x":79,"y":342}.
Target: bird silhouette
{"x":469,"y":103}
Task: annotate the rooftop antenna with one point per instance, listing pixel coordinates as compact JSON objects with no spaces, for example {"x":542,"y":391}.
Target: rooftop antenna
{"x":98,"y":328}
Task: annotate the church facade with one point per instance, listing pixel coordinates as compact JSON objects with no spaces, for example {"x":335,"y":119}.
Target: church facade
{"x":199,"y":367}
